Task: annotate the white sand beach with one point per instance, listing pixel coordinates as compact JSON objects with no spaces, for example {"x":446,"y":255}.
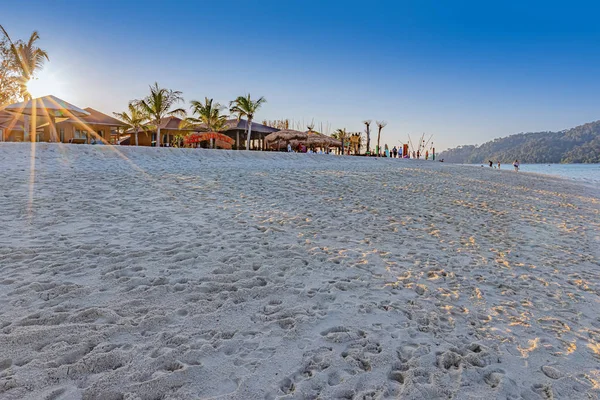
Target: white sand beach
{"x":194,"y":274}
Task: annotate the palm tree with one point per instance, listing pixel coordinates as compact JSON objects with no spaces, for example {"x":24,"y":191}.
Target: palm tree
{"x":245,"y":106}
{"x":341,"y":134}
{"x":367,"y":123}
{"x":158,"y":105}
{"x":209,"y":114}
{"x":136,"y":120}
{"x":28,"y":58}
{"x":380,"y":126}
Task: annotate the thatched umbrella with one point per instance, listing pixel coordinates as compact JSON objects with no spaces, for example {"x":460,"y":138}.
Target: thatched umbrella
{"x":335,"y":142}
{"x":286,"y":135}
{"x":317,"y":139}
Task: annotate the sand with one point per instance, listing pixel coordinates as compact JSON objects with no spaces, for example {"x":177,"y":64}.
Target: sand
{"x":187,"y":274}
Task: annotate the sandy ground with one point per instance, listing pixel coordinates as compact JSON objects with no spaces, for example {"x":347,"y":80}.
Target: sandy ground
{"x":186,"y":274}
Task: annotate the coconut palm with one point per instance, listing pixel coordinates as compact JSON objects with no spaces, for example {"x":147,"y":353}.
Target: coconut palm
{"x":28,"y":59}
{"x":159,"y":104}
{"x":135,"y":120}
{"x":208,"y":113}
{"x":368,"y":125}
{"x":342,"y":135}
{"x":245,"y":106}
{"x":380,"y":126}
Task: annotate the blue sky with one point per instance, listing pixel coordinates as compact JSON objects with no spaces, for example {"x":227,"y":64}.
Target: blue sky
{"x":464,"y":71}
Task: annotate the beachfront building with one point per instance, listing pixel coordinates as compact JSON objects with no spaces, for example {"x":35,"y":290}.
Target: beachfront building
{"x":234,"y":129}
{"x":170,"y":127}
{"x":81,"y":126}
{"x":97,"y":125}
{"x":238,"y":131}
{"x":11,"y":127}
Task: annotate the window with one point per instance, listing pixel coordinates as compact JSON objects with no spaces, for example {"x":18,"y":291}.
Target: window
{"x":62,"y":134}
{"x":79,"y":134}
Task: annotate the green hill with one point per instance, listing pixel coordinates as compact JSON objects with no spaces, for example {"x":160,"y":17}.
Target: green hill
{"x":577,"y":145}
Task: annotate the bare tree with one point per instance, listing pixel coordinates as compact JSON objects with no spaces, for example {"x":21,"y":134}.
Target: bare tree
{"x":368,"y":125}
{"x":380,"y":126}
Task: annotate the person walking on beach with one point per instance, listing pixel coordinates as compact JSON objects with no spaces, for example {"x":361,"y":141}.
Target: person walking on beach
{"x":395,"y":152}
{"x":491,"y":163}
{"x":516,"y":165}
{"x":498,"y":164}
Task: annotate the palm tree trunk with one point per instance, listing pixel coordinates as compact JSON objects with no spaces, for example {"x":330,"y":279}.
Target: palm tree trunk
{"x":378,"y":137}
{"x":237,"y":140}
{"x":249,"y":133}
{"x":157,"y":136}
{"x":136,"y":138}
{"x":26,"y":124}
{"x":368,"y":140}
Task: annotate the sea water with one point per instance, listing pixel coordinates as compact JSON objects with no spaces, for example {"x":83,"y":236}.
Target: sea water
{"x":589,"y":173}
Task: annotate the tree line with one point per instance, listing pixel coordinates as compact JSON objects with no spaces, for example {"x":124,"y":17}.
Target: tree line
{"x":147,"y":113}
{"x":577,"y":145}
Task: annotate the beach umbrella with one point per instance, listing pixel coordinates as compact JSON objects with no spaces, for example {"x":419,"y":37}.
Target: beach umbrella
{"x":50,"y":107}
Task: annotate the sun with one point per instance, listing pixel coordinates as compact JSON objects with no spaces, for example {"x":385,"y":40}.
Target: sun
{"x":46,"y":83}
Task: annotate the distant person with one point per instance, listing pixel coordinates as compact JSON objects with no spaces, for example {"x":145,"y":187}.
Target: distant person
{"x":289,"y":148}
{"x":395,"y":152}
{"x":516,"y":165}
{"x":498,"y":164}
{"x":491,"y":163}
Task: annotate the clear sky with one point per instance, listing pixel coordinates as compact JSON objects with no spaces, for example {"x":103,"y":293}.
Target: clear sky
{"x":464,"y":71}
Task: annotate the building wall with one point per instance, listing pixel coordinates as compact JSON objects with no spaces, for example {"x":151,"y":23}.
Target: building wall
{"x":69,"y":131}
{"x":146,"y":139}
{"x":13,"y":136}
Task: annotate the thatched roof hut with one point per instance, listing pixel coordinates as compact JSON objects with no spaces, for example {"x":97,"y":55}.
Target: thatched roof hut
{"x":286,"y":135}
{"x":335,"y":142}
{"x":319,"y":140}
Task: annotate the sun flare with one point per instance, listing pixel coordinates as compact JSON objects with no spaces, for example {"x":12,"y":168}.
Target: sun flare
{"x":46,"y":83}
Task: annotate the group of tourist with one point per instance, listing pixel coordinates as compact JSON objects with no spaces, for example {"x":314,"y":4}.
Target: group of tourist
{"x":516,"y":164}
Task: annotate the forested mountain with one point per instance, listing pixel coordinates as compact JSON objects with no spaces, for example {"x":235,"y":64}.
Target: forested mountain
{"x":577,"y":145}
